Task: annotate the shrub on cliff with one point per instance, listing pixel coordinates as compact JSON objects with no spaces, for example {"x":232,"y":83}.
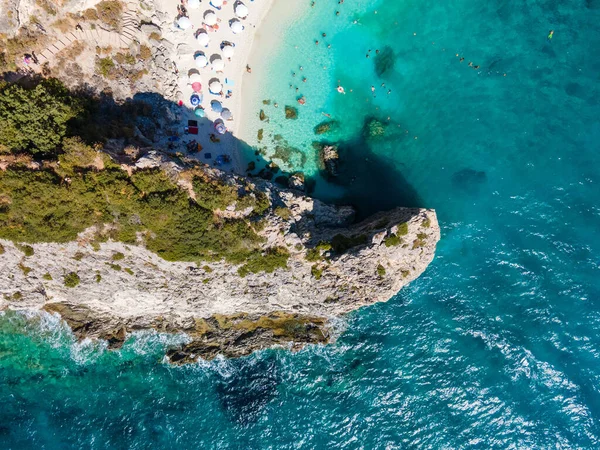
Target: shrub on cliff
{"x":71,"y":279}
{"x":267,"y":261}
{"x":35,"y":120}
{"x":110,"y":12}
{"x":41,"y":207}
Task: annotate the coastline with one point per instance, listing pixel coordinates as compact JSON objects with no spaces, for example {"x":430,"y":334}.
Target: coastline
{"x":275,"y":22}
{"x":184,"y":45}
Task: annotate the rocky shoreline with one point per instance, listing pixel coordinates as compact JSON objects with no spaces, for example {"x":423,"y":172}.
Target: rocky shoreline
{"x":335,"y":266}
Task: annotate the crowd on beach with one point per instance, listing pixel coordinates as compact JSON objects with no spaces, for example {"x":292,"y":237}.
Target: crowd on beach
{"x":206,"y":83}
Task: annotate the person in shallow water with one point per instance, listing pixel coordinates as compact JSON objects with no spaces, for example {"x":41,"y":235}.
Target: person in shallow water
{"x":550,"y":35}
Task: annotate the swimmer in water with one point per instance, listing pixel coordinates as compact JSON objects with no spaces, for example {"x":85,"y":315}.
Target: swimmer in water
{"x":341,"y":90}
{"x":550,"y":35}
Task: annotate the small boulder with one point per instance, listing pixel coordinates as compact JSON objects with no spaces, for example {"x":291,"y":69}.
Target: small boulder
{"x":296,"y":181}
{"x":291,"y":113}
{"x":329,"y":158}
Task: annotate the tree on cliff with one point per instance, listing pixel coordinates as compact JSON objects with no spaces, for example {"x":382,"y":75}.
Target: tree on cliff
{"x":34,"y":120}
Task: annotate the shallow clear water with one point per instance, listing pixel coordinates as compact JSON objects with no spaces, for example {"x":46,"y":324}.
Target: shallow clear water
{"x":495,"y":346}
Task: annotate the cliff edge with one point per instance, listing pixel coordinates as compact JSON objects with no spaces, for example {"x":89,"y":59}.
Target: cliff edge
{"x":313,"y":265}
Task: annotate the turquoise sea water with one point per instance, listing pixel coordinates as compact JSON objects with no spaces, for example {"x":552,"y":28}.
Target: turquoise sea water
{"x":497,"y":345}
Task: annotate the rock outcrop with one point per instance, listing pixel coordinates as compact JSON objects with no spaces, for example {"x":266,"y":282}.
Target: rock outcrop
{"x":329,"y":159}
{"x":335,"y":266}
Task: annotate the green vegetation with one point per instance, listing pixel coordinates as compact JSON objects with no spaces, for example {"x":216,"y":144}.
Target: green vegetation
{"x":402,"y":229}
{"x":420,"y":240}
{"x":315,"y":254}
{"x":35,"y":120}
{"x":207,"y":269}
{"x":12,"y":48}
{"x":47,"y":277}
{"x":110,"y":12}
{"x":267,"y":261}
{"x":98,"y":278}
{"x":39,"y":207}
{"x":316,"y":272}
{"x":128,"y":270}
{"x":392,"y":240}
{"x":25,"y":269}
{"x":71,"y":279}
{"x":105,"y":66}
{"x":17,"y":296}
{"x":426,"y":223}
{"x":117,"y":256}
{"x":283,"y":212}
{"x":27,"y":249}
{"x":405,"y":273}
{"x":145,"y":51}
{"x":115,"y":267}
{"x":340,"y":243}
{"x":2,"y":250}
{"x":78,"y":256}
{"x":79,"y":187}
{"x":380,"y":271}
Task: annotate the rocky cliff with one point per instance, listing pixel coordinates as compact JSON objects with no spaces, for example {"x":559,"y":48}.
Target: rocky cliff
{"x":110,"y":289}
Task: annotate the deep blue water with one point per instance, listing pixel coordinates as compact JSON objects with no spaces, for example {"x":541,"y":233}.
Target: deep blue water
{"x":497,"y":345}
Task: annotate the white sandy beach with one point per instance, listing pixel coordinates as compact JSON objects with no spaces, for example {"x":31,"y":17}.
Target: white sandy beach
{"x":186,"y":45}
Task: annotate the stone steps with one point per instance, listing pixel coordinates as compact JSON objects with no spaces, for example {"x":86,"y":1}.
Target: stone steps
{"x":98,"y":37}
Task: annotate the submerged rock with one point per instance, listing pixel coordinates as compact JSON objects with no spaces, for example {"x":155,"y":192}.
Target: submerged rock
{"x":291,"y":112}
{"x":326,"y":126}
{"x":374,"y":129}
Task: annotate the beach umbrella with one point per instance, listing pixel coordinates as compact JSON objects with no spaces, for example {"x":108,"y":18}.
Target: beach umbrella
{"x":236,"y":26}
{"x":220,"y":127}
{"x":226,"y":114}
{"x":203,"y":38}
{"x":216,"y":3}
{"x":184,"y":22}
{"x":194,"y":4}
{"x":197,"y":87}
{"x":241,"y":10}
{"x":215,"y":87}
{"x":218,"y":64}
{"x":195,"y":99}
{"x":195,"y":77}
{"x":210,"y":18}
{"x":201,"y":60}
{"x":216,"y":106}
{"x":199,"y":111}
{"x":227,"y":51}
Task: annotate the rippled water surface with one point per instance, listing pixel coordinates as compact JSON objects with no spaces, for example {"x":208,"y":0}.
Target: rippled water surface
{"x":495,"y":346}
